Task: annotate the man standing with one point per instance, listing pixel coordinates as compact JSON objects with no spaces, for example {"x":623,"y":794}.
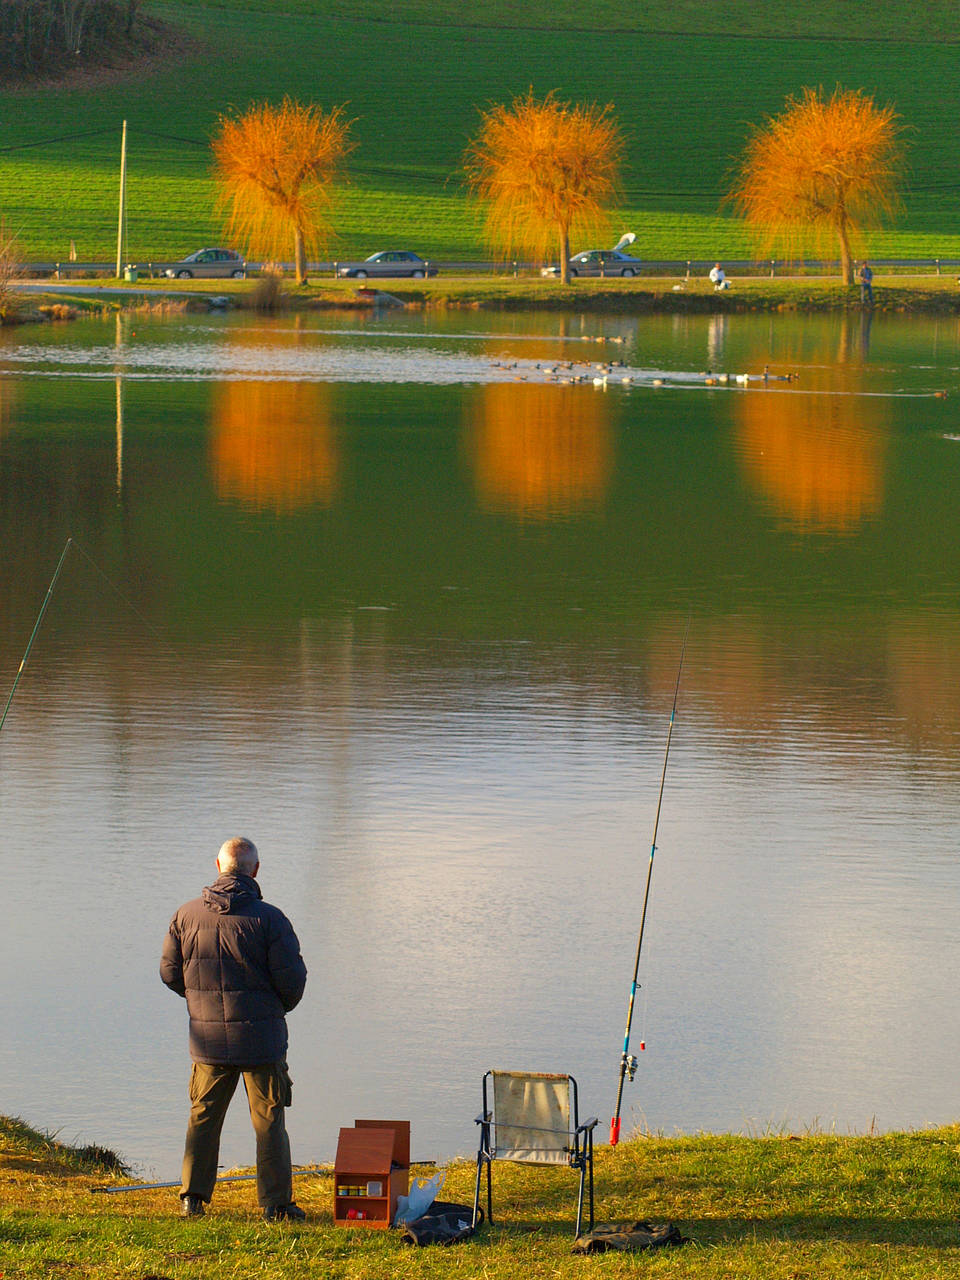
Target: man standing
{"x":866,"y":284}
{"x":237,"y":960}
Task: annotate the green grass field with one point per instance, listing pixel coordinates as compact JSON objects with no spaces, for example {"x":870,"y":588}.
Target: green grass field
{"x":686,"y":81}
{"x":822,"y":19}
{"x":782,"y":1207}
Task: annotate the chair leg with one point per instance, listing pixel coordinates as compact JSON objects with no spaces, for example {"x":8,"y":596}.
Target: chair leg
{"x":476,"y":1193}
{"x":489,"y":1193}
{"x":583,"y":1170}
{"x":590,"y":1228}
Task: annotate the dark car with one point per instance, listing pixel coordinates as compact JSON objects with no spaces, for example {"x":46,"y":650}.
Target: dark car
{"x":389,"y":262}
{"x":208,"y":263}
{"x":600,"y":262}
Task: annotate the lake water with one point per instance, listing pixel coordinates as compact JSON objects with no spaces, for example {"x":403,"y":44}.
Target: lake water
{"x":403,"y":602}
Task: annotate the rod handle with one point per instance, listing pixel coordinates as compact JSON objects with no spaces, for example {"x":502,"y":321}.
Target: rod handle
{"x":614,"y":1131}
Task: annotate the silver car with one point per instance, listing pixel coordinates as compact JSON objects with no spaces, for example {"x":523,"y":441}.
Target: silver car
{"x":389,"y":262}
{"x":209,"y":263}
{"x":599,"y":262}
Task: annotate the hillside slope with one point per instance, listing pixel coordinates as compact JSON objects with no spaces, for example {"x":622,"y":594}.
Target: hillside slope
{"x":685,"y":103}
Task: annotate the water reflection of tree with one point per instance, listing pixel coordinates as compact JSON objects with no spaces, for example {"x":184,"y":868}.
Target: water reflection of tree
{"x":540,"y":449}
{"x":272,"y":444}
{"x":818,"y":457}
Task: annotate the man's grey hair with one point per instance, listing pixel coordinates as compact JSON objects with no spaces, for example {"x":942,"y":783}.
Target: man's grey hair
{"x":238,"y":856}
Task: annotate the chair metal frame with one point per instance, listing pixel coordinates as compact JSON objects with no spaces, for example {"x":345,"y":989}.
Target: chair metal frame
{"x":579,"y":1155}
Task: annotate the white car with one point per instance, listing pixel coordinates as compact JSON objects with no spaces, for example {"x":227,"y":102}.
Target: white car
{"x":602,"y":262}
{"x":388,"y":262}
{"x":599,"y":262}
{"x":209,"y":263}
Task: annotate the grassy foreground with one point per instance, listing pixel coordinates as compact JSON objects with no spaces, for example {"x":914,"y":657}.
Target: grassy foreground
{"x":784,"y":1206}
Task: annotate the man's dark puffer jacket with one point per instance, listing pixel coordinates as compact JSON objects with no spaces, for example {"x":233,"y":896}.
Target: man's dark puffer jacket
{"x":237,"y":960}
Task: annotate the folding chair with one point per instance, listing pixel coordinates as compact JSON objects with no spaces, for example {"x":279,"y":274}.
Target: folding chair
{"x":534,"y":1120}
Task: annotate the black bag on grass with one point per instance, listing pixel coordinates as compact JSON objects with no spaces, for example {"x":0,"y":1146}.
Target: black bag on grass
{"x":628,"y":1237}
{"x":443,"y":1223}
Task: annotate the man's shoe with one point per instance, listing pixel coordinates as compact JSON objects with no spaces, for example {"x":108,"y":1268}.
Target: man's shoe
{"x":277,"y":1212}
{"x":191,"y":1207}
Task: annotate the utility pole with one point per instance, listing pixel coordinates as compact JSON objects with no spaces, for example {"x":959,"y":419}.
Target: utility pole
{"x":121,"y":222}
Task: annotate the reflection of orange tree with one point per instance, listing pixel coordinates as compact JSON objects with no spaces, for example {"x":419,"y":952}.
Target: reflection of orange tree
{"x":540,"y":449}
{"x":272,"y":444}
{"x":818,"y":458}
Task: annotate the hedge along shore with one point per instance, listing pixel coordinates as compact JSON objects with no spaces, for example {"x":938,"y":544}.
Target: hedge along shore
{"x":921,"y":295}
{"x":781,"y":1206}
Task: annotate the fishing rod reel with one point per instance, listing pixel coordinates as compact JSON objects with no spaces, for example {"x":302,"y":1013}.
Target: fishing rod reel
{"x":629,"y":1064}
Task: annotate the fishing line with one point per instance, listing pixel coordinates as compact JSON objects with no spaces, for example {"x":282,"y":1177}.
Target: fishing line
{"x":628,"y":1063}
{"x":125,"y":598}
{"x":71,"y":542}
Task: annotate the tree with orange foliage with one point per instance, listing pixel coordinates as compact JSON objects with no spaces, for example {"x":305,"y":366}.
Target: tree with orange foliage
{"x":276,"y":167}
{"x":824,"y":170}
{"x":545,"y":168}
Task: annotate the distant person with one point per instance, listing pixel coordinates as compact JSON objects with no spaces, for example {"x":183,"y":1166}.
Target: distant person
{"x":719,"y":277}
{"x":865,"y":276}
{"x":237,"y":960}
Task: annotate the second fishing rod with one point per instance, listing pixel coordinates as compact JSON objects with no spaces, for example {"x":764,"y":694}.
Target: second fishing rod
{"x":628,"y":1063}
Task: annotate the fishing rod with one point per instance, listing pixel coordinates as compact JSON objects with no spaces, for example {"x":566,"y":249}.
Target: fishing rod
{"x":230,"y":1177}
{"x":323,"y":1167}
{"x":71,"y":542}
{"x":628,"y":1062}
{"x":36,"y":627}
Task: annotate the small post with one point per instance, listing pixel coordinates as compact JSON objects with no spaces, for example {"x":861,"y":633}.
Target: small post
{"x":688,"y":269}
{"x":123,"y":196}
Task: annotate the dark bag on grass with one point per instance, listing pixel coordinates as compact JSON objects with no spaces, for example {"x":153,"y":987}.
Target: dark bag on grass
{"x":628,"y":1237}
{"x":443,"y":1223}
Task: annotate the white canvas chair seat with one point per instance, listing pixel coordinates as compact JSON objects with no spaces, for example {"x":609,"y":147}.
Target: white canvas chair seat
{"x":533,"y":1120}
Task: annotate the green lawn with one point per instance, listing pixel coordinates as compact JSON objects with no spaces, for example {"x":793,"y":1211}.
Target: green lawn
{"x":683,"y":96}
{"x":784,"y":1207}
{"x":847,"y":20}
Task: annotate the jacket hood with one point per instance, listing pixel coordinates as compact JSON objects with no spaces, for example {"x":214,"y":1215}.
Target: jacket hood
{"x":227,"y":891}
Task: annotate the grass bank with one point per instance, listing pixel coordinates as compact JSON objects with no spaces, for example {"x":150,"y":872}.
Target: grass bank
{"x":783,"y":1207}
{"x":921,"y":295}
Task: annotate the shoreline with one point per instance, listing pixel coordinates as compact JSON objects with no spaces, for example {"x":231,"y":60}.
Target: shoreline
{"x":922,"y":295}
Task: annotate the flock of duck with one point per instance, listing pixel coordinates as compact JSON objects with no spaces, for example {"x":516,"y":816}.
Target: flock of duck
{"x":602,"y":373}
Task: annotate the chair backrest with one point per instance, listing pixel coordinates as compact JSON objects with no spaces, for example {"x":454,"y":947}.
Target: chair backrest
{"x":531,"y":1117}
